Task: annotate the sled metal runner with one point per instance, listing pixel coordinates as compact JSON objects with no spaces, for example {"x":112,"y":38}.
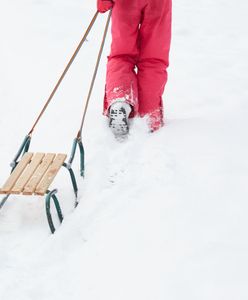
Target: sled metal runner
{"x":34,"y":173}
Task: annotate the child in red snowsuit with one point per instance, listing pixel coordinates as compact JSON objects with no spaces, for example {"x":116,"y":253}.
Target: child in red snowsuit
{"x":136,"y":70}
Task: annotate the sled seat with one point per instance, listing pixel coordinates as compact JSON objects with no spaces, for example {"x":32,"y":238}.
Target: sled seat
{"x":34,"y":174}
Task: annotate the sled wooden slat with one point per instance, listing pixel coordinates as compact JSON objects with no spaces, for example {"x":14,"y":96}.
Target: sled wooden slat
{"x":33,"y":174}
{"x":27,"y":173}
{"x":38,"y":174}
{"x":6,"y":189}
{"x":50,"y":174}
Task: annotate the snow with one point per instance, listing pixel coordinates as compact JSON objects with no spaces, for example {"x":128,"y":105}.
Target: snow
{"x":161,"y":216}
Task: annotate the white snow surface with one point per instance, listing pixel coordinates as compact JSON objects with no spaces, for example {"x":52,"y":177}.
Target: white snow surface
{"x":161,"y":216}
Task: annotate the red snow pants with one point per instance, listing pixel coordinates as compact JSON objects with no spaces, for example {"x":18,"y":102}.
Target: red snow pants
{"x":136,"y":69}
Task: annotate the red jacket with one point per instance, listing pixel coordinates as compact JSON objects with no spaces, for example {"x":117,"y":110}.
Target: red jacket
{"x":104,"y":5}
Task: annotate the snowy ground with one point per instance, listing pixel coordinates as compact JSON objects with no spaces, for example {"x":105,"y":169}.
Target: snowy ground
{"x":161,"y":216}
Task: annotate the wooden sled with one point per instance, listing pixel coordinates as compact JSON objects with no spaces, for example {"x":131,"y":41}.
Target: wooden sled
{"x":33,"y":173}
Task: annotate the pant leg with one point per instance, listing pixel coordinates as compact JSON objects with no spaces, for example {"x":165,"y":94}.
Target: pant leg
{"x":155,"y":38}
{"x":121,"y":79}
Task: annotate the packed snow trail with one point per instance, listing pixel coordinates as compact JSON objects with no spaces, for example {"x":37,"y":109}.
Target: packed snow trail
{"x":161,"y":216}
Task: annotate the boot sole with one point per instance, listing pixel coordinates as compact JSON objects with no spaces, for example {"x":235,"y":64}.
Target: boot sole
{"x":118,"y":122}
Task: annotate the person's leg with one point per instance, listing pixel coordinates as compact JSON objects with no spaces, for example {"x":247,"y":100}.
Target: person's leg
{"x":155,"y":37}
{"x":121,"y":79}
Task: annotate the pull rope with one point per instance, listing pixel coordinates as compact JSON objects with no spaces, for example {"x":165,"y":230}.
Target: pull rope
{"x":94,"y":75}
{"x":64,"y":72}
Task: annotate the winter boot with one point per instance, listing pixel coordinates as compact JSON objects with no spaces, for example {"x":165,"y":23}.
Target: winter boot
{"x":118,"y":118}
